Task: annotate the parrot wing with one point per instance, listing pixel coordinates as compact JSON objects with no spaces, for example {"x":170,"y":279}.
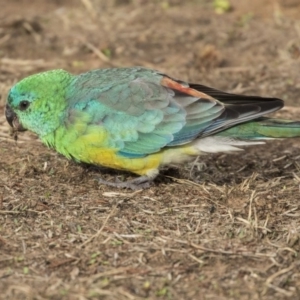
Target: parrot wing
{"x":144,"y":111}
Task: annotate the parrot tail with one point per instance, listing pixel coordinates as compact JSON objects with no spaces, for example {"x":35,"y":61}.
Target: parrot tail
{"x":263,"y":128}
{"x":249,"y":133}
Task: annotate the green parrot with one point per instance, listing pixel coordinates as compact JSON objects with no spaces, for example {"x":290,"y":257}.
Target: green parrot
{"x":139,"y":120}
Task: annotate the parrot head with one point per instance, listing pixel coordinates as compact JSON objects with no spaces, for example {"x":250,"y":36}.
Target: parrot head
{"x":37,"y":102}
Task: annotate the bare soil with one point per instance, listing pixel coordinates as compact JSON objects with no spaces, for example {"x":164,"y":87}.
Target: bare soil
{"x":224,"y":227}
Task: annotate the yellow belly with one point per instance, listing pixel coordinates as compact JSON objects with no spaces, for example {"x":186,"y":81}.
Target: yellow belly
{"x":110,"y":158}
{"x":147,"y":165}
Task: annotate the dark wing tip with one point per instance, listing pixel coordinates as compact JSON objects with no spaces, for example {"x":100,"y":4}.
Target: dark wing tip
{"x":268,"y":104}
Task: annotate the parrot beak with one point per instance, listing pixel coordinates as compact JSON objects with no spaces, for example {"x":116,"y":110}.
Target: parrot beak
{"x":12,"y":119}
{"x":10,"y":115}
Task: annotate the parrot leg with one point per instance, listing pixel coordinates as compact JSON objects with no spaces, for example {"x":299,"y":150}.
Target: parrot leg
{"x":142,"y":182}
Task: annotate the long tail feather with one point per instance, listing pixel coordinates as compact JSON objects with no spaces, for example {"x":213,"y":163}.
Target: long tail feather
{"x":263,"y":128}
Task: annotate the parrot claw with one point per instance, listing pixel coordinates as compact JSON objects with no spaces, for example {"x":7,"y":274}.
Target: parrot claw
{"x":139,"y":183}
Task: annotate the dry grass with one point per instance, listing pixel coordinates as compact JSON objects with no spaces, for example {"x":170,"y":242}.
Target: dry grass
{"x":224,"y":227}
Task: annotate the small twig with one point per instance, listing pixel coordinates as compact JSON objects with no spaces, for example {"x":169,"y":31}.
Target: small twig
{"x":240,"y":253}
{"x":250,"y":205}
{"x":89,"y":7}
{"x":97,"y":234}
{"x":5,"y":212}
{"x":184,"y":181}
{"x":276,"y":288}
{"x":4,"y":39}
{"x":245,"y":254}
{"x":117,"y":194}
{"x":280,"y":290}
{"x":200,"y":261}
{"x":282,"y":271}
{"x":97,"y":52}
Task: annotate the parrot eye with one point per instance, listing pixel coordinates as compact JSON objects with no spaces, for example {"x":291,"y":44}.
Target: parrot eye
{"x":24,"y":105}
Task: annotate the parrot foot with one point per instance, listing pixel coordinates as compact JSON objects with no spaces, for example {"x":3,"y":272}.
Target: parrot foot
{"x":139,"y":183}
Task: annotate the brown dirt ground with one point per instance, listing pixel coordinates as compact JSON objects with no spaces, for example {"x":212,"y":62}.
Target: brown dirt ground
{"x":225,"y":227}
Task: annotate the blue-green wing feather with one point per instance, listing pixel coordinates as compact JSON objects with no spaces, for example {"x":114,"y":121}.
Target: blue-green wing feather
{"x":139,"y":114}
{"x":142,"y":116}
